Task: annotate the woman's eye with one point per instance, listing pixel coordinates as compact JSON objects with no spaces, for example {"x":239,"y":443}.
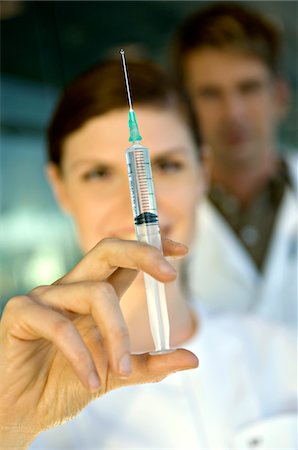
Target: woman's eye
{"x":99,"y":173}
{"x":169,"y":166}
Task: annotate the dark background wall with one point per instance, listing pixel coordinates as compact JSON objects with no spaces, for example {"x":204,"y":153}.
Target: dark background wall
{"x":44,"y":44}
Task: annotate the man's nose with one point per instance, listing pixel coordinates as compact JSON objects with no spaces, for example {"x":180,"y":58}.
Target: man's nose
{"x":233,"y":106}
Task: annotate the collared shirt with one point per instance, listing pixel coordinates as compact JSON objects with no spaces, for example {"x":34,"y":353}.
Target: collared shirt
{"x":253,"y":224}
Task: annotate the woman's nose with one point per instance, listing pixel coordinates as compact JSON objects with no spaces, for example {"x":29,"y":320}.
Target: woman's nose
{"x":124,"y":199}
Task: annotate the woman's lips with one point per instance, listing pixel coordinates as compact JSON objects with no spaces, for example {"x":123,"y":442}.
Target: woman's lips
{"x":129,"y":233}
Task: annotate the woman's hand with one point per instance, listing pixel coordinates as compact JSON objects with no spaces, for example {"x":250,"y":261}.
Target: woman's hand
{"x":66,"y":344}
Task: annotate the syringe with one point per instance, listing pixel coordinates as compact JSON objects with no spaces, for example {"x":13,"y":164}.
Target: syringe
{"x":146,"y":222}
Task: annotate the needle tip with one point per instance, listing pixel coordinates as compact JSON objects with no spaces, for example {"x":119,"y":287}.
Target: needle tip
{"x":121,"y":51}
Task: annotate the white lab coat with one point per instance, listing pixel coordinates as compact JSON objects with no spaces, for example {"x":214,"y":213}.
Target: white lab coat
{"x":223,"y":275}
{"x":242,"y":396}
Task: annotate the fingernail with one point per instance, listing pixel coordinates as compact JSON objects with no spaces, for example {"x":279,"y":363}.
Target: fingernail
{"x":93,"y":381}
{"x":177,"y":244}
{"x":172,"y":258}
{"x":166,"y":268}
{"x":125,"y":365}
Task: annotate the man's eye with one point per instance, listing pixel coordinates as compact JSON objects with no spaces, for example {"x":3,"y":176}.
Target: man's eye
{"x":251,"y":88}
{"x":208,"y":94}
{"x":168,"y":166}
{"x":98,"y":173}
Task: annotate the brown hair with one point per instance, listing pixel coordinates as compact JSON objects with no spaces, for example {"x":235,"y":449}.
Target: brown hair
{"x":101,"y":89}
{"x":227,"y":26}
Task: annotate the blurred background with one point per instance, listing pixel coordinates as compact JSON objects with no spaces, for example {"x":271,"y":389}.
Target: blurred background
{"x":44,"y":44}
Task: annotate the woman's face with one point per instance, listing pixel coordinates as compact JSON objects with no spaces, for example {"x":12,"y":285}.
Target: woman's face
{"x":93,"y":186}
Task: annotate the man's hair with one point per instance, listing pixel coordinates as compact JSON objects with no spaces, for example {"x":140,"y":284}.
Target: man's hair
{"x":227,"y":26}
{"x":101,"y":89}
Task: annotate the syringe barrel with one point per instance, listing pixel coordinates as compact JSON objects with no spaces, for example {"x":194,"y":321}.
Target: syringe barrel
{"x":147,"y":230}
{"x":141,"y":185}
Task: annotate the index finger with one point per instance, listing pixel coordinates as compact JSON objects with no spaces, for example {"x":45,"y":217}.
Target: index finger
{"x":111,"y":253}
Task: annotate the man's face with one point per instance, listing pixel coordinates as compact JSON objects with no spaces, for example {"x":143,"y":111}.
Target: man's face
{"x":236,"y":102}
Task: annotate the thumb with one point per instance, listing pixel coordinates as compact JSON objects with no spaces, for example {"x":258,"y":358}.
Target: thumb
{"x":171,"y":362}
{"x":148,"y":368}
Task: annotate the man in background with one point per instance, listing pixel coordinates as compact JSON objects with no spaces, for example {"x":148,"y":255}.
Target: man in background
{"x":226,"y":57}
